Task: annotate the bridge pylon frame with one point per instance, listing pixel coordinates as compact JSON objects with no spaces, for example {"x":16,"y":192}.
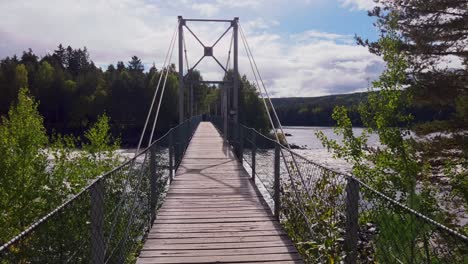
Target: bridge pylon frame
{"x":229,"y":106}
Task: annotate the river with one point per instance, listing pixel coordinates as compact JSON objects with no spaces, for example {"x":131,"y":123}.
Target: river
{"x":311,"y":146}
{"x":313,"y":149}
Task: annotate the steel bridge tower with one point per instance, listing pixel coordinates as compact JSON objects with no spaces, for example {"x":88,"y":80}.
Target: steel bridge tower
{"x":229,"y":87}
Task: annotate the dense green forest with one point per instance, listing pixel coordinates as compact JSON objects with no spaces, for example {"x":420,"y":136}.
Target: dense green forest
{"x":72,"y":92}
{"x":317,"y":111}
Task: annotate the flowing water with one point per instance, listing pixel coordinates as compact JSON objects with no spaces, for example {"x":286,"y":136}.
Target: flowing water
{"x":313,"y":149}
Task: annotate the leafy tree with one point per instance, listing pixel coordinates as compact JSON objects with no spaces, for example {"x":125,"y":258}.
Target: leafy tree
{"x":394,"y":168}
{"x":8,"y":88}
{"x":21,"y":76}
{"x":432,"y":34}
{"x":44,"y":78}
{"x":73,"y":169}
{"x":24,"y":183}
{"x":252,"y":112}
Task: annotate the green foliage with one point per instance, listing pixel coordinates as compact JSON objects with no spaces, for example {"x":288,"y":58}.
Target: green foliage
{"x":252,"y":111}
{"x":30,"y":184}
{"x":45,"y":74}
{"x":73,"y":168}
{"x":461,"y":114}
{"x":21,"y":76}
{"x":24,"y":183}
{"x":429,"y":33}
{"x":321,"y":240}
{"x":393,"y":168}
{"x":316,"y":111}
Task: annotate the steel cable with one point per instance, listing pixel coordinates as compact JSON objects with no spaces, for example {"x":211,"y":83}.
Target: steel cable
{"x":293,"y":184}
{"x":156,"y":92}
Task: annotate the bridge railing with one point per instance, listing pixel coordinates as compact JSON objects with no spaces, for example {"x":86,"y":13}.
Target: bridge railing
{"x":107,"y":221}
{"x":333,"y":216}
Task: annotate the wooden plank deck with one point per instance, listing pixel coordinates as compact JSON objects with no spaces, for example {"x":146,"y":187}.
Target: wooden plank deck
{"x":214,"y":214}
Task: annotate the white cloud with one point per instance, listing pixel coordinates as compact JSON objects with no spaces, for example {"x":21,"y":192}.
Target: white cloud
{"x":317,"y":36}
{"x":358,"y":4}
{"x":261,"y":24}
{"x":322,"y":67}
{"x":241,"y":3}
{"x":206,"y":9}
{"x":306,"y":63}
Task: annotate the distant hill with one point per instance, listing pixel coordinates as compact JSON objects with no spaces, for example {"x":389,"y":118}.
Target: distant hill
{"x":317,"y":111}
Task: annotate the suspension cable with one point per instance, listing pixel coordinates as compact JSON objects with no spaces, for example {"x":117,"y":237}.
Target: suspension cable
{"x":274,"y":112}
{"x":272,"y":106}
{"x":161,"y":98}
{"x":277,"y":118}
{"x":130,"y":222}
{"x":124,"y":196}
{"x":156,"y":91}
{"x":189,"y":74}
{"x":229,"y":52}
{"x":186,"y":57}
{"x":252,"y":65}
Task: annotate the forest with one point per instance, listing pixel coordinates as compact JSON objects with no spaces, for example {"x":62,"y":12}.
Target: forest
{"x":317,"y":111}
{"x":72,"y":92}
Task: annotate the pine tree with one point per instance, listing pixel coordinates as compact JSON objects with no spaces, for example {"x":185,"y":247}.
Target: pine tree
{"x":432,"y":33}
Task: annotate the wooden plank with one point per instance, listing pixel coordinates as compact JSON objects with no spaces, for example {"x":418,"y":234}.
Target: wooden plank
{"x":178,"y":220}
{"x":222,"y":234}
{"x":208,"y":209}
{"x":229,"y":239}
{"x":217,"y":252}
{"x":155,"y":244}
{"x":201,"y":205}
{"x":214,"y":214}
{"x":223,"y":259}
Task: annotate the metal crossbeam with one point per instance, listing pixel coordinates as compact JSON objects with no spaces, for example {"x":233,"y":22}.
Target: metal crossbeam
{"x":230,"y":87}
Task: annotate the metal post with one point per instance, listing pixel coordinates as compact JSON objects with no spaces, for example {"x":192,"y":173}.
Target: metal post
{"x":241,"y":143}
{"x":191,"y":100}
{"x":235,"y":103}
{"x":225,"y":113}
{"x":181,"y":70}
{"x":254,"y":152}
{"x":153,"y":184}
{"x":171,"y":156}
{"x":352,"y":215}
{"x":97,"y":222}
{"x":177,"y":147}
{"x":277,"y":183}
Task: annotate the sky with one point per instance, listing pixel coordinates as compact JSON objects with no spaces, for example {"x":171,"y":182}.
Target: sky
{"x":302,"y":47}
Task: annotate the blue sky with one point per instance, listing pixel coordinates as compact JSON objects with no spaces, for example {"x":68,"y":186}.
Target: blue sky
{"x":302,"y":47}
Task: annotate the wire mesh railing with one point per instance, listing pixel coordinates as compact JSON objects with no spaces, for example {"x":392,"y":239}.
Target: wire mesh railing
{"x":334,"y":217}
{"x":108,"y":220}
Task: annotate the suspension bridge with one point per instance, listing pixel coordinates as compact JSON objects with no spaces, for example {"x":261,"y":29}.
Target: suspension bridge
{"x":212,"y":190}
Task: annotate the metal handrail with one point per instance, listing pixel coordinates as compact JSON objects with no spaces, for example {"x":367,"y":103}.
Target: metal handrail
{"x":353,"y":197}
{"x":33,"y":227}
